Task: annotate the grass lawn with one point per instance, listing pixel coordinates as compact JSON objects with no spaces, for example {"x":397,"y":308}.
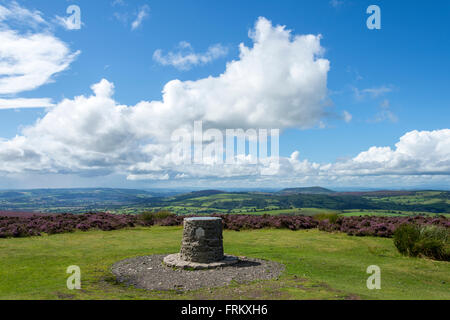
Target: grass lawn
{"x":319,"y":265}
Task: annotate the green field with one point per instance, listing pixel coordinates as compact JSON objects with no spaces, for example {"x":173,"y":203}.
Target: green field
{"x":420,"y":197}
{"x":179,"y":210}
{"x":319,"y":265}
{"x":413,"y":203}
{"x":128,"y":201}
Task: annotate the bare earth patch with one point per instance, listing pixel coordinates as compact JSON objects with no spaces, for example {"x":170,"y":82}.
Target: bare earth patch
{"x":149,"y":272}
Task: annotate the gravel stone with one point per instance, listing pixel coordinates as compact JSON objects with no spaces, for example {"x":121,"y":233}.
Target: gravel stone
{"x":175,"y":260}
{"x":149,"y":272}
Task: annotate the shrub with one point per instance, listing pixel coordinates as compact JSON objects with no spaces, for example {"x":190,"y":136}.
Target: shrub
{"x":331,"y":217}
{"x":405,"y":238}
{"x":150,"y":218}
{"x":430,"y":241}
{"x":435,"y":232}
{"x":434,"y":242}
{"x":432,"y":248}
{"x":163,"y":214}
{"x":147,"y":217}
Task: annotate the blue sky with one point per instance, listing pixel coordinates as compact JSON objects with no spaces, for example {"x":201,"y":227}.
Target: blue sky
{"x":381,"y":84}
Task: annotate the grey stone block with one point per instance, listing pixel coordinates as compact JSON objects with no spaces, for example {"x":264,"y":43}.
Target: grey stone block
{"x":202,"y":240}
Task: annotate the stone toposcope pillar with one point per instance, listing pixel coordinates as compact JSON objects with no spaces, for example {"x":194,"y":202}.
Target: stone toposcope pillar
{"x":202,"y":245}
{"x":202,"y":240}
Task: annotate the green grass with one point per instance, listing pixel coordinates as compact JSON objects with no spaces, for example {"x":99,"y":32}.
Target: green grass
{"x":271,"y":210}
{"x":319,"y":265}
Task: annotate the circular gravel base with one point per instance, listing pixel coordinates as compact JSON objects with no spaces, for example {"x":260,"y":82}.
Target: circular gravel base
{"x":175,"y":261}
{"x":149,"y":272}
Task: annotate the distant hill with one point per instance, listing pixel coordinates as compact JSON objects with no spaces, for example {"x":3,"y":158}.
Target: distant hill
{"x":379,"y":193}
{"x":307,"y":190}
{"x":205,"y":193}
{"x":197,"y":194}
{"x":290,"y":200}
{"x":73,"y":200}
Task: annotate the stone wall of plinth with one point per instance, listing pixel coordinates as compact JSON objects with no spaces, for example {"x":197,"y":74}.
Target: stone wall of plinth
{"x":202,"y":240}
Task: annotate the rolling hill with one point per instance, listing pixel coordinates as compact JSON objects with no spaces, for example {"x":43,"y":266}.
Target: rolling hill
{"x":286,"y":201}
{"x":305,"y":190}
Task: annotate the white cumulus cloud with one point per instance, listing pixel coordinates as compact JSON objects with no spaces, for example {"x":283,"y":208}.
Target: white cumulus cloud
{"x":417,"y":152}
{"x":278,"y":82}
{"x":186,"y":58}
{"x":28,"y":58}
{"x":28,"y":61}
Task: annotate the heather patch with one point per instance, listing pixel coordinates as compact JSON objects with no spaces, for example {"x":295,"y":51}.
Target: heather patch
{"x":34,"y":225}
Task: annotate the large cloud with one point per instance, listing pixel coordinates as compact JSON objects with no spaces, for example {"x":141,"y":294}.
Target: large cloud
{"x":417,"y":158}
{"x":417,"y":152}
{"x":279,"y":82}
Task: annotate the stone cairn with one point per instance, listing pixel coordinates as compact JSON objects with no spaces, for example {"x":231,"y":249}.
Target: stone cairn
{"x":202,"y":245}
